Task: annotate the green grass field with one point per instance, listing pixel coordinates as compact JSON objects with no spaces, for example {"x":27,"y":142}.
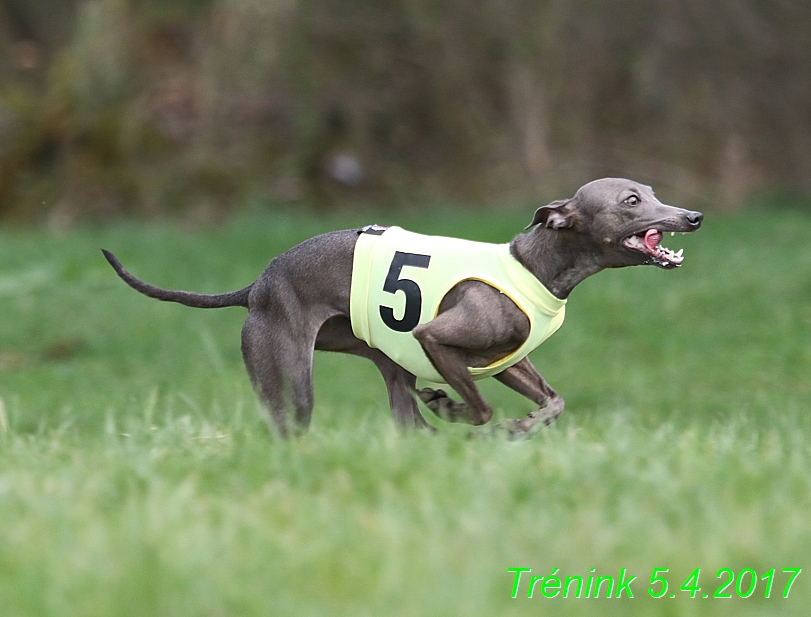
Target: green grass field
{"x":137,"y":476}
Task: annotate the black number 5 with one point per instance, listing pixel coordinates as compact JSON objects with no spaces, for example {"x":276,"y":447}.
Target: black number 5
{"x":413,"y":295}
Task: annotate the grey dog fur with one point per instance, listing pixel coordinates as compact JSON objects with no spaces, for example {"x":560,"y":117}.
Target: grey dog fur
{"x":300,"y":304}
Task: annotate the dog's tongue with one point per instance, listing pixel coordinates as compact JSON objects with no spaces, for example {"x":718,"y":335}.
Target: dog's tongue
{"x":652,"y":238}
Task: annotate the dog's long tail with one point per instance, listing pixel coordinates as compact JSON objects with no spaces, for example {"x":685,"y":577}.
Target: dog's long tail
{"x":189,"y":298}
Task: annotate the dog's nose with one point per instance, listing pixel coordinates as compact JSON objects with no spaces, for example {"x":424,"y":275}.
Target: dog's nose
{"x":694,"y":219}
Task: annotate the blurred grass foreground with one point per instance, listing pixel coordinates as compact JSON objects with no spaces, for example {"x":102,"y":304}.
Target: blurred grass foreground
{"x":111,"y":107}
{"x":137,"y":477}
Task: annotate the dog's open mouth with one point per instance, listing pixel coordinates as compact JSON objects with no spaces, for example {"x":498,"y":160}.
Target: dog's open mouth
{"x":648,"y":243}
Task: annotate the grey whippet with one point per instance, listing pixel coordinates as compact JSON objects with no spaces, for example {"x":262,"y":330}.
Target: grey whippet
{"x":301,"y":303}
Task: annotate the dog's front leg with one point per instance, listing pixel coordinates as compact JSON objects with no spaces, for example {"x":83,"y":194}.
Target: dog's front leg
{"x":443,"y":341}
{"x":524,"y":379}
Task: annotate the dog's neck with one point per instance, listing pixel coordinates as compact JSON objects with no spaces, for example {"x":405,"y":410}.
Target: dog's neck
{"x":560,"y":259}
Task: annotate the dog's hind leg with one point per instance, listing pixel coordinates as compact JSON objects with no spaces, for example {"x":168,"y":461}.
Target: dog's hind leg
{"x":336,"y":335}
{"x":279,"y":361}
{"x":401,"y":386}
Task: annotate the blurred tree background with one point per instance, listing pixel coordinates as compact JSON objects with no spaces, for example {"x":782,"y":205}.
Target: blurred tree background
{"x":148,"y":107}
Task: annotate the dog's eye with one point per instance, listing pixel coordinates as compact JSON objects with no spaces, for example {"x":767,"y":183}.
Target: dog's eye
{"x":631,"y":201}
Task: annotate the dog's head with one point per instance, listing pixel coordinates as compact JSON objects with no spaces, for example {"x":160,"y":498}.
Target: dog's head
{"x":621,"y":219}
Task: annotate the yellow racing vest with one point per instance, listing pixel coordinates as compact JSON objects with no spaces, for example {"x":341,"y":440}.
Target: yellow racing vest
{"x":399,"y":279}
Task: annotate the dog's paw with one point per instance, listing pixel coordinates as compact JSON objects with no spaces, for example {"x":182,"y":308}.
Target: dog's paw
{"x":429,"y":395}
{"x":522,"y":428}
{"x":443,"y":406}
{"x":519,"y":428}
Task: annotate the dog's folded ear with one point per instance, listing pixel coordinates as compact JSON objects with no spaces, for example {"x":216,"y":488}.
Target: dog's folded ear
{"x":557,"y":215}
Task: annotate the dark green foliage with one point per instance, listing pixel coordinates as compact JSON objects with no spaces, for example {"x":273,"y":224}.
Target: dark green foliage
{"x":155,"y":107}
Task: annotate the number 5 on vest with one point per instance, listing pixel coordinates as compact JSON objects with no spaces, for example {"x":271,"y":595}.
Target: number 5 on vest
{"x":413,"y":295}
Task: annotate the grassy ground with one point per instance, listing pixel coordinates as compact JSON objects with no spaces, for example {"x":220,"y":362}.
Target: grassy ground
{"x":137,"y":476}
